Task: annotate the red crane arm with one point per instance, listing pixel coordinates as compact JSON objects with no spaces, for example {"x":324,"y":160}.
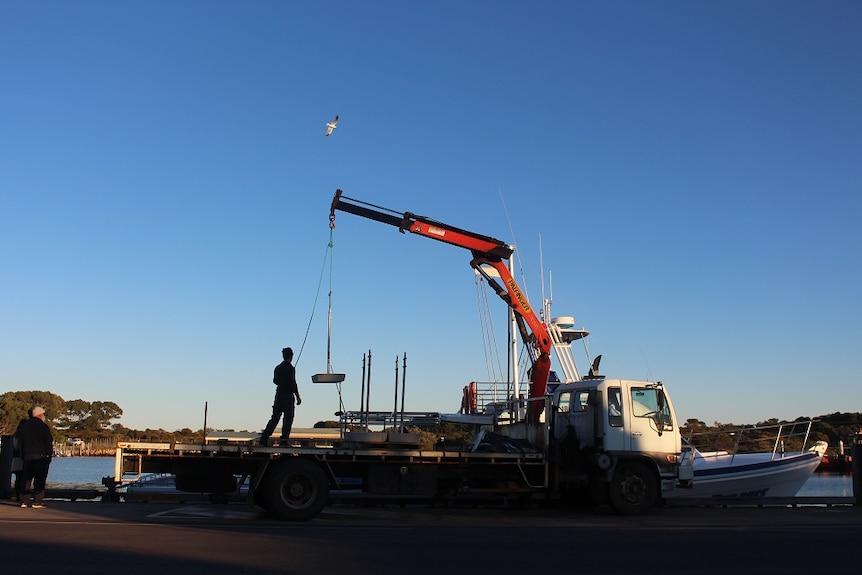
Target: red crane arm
{"x":420,"y":225}
{"x":486,"y":250}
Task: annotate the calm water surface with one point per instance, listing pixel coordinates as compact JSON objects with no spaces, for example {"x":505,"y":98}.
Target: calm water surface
{"x":828,"y":485}
{"x":79,"y":472}
{"x":87,"y":473}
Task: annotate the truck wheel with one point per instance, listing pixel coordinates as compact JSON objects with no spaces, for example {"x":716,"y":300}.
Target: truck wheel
{"x":633,"y":489}
{"x":295,"y":490}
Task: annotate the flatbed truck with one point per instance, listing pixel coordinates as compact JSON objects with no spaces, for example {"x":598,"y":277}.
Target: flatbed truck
{"x":583,"y":440}
{"x":582,"y":453}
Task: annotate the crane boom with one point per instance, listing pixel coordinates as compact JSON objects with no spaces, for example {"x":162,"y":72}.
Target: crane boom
{"x":486,"y":250}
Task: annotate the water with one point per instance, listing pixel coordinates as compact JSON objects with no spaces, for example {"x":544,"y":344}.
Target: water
{"x":828,"y":485}
{"x":79,"y":472}
{"x":87,"y":473}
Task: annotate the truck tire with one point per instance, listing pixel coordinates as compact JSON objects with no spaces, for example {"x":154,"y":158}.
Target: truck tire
{"x":633,"y":489}
{"x":295,"y":490}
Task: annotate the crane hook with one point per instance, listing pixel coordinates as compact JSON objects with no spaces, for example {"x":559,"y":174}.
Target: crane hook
{"x":332,"y":209}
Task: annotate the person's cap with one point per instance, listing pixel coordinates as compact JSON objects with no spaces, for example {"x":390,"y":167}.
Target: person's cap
{"x":37,"y":411}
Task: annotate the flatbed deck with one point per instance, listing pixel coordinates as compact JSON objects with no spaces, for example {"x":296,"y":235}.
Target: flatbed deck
{"x":156,"y":451}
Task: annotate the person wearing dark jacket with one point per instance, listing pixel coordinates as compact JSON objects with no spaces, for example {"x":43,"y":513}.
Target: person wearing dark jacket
{"x":18,"y":461}
{"x":37,"y":446}
{"x":284,"y":377}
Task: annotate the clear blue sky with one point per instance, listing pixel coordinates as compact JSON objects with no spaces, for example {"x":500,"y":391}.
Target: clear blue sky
{"x":692,"y":169}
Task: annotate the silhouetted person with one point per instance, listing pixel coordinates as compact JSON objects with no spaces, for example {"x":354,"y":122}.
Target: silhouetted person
{"x":18,"y":461}
{"x":37,"y":447}
{"x":284,"y":377}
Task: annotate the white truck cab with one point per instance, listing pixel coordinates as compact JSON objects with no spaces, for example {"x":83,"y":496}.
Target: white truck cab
{"x":617,"y":415}
{"x":618,"y":431}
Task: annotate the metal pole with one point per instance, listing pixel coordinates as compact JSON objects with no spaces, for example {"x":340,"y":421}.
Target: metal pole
{"x":856,"y":454}
{"x":403,"y":380}
{"x":362,"y":397}
{"x":514,"y":399}
{"x":368,"y":393}
{"x":395,"y":407}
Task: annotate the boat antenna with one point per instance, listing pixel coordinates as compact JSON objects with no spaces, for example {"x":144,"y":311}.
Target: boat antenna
{"x":514,"y":243}
{"x":646,"y":362}
{"x":546,"y":302}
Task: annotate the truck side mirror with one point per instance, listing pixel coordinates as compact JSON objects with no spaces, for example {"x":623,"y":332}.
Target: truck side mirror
{"x":661,"y":403}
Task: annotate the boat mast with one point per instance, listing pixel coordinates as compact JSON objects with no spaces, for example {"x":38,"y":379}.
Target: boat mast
{"x":514,"y":364}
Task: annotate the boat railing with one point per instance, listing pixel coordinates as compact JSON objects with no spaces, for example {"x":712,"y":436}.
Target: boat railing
{"x":359,"y":420}
{"x":778,"y":439}
{"x":490,"y":397}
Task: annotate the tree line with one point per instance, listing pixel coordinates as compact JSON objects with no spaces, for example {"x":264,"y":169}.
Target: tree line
{"x":76,"y":418}
{"x":834,"y":429}
{"x":93,"y":421}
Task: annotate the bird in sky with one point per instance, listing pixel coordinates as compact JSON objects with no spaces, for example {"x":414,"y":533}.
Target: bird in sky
{"x":331,"y":126}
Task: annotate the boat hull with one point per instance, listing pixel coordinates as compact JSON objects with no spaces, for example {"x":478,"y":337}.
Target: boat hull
{"x":750,"y":475}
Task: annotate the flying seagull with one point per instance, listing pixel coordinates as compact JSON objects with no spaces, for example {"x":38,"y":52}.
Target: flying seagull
{"x":331,"y":126}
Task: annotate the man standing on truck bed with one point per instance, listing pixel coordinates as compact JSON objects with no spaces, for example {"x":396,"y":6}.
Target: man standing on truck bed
{"x":284,"y":377}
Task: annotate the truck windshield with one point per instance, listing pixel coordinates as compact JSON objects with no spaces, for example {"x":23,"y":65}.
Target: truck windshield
{"x":645,"y":403}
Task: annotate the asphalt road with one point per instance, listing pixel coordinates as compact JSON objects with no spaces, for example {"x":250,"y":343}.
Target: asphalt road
{"x":156,"y":538}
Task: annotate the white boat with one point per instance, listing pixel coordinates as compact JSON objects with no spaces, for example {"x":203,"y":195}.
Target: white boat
{"x":163,"y":487}
{"x":780,"y":472}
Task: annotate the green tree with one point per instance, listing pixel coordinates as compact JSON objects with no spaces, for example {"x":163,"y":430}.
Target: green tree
{"x":693,"y":426}
{"x":328,"y":424}
{"x":14,"y":406}
{"x":76,"y":411}
{"x":101,"y":414}
{"x":88,"y":419}
{"x":453,"y":435}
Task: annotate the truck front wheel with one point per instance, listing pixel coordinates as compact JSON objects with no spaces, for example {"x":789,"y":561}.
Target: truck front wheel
{"x":295,"y":490}
{"x":633,"y":489}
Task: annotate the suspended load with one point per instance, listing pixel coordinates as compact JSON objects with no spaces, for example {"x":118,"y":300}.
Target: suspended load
{"x":327,"y":377}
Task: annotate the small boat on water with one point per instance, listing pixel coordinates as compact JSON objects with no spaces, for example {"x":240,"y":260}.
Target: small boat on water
{"x":742,"y":472}
{"x":840,"y":462}
{"x":163,"y":487}
{"x":835,"y":464}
